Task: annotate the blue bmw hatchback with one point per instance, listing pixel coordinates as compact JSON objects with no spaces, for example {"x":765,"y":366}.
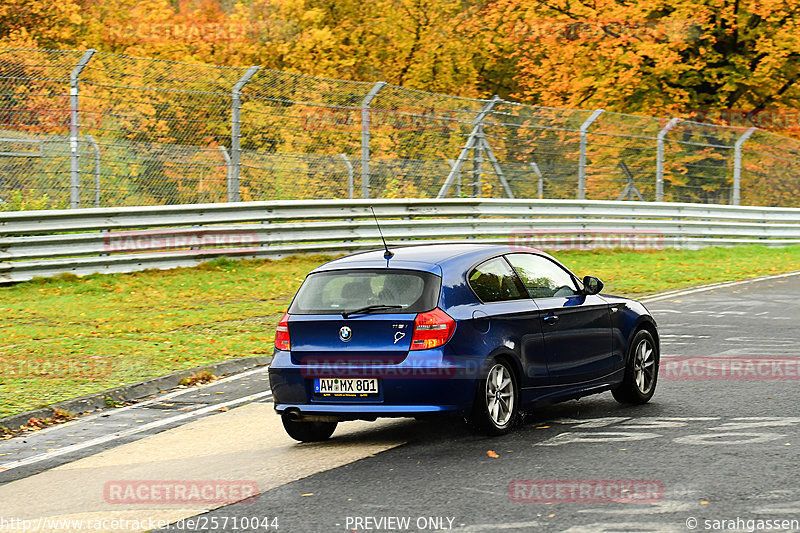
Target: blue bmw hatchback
{"x":474,"y":330}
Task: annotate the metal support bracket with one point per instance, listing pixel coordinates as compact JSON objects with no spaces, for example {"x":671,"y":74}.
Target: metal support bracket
{"x":477,"y":141}
{"x":630,"y":189}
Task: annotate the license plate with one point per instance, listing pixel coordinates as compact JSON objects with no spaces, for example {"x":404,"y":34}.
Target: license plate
{"x":353,"y":387}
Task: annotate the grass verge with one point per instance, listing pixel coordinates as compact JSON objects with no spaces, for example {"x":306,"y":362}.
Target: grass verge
{"x":64,"y":337}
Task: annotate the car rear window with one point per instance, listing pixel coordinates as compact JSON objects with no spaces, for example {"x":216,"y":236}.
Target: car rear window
{"x":337,"y":291}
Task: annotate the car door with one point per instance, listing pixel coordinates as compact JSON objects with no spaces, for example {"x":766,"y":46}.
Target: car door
{"x":509,"y":319}
{"x":576,"y":327}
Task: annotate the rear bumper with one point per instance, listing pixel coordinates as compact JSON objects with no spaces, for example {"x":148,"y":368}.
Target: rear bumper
{"x":422,"y":384}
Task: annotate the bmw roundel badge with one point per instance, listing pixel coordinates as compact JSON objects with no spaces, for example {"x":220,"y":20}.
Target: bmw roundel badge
{"x":345,"y":333}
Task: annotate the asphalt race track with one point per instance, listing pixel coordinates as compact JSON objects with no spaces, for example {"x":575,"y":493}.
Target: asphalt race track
{"x":717,"y":449}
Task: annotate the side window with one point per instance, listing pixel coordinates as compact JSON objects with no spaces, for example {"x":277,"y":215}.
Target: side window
{"x":542,"y":277}
{"x":494,"y":281}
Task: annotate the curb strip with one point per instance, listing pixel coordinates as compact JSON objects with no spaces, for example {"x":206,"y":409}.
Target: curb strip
{"x":134,"y":391}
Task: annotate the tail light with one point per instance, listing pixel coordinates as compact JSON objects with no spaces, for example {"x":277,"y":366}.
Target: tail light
{"x":432,"y":329}
{"x":282,"y":334}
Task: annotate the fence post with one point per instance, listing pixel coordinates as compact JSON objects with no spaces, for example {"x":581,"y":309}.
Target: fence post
{"x":660,"y":157}
{"x":236,"y":151}
{"x":227,"y":158}
{"x":540,"y":185}
{"x":74,"y":131}
{"x":365,"y":115}
{"x":96,"y":150}
{"x":349,"y":166}
{"x":472,"y":142}
{"x":458,"y":179}
{"x":477,"y":162}
{"x":737,"y":165}
{"x":582,"y":158}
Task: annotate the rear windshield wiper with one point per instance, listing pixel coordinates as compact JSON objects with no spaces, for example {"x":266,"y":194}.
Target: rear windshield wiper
{"x":370,"y":309}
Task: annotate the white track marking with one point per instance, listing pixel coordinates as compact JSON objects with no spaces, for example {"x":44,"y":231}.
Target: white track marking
{"x":684,"y":292}
{"x":494,"y":527}
{"x":180,"y":392}
{"x":127,"y":433}
{"x":159,"y":399}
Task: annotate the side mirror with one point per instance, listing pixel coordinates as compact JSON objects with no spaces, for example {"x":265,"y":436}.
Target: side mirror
{"x":592,"y":285}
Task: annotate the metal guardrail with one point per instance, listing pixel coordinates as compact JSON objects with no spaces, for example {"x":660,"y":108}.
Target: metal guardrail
{"x":45,"y":243}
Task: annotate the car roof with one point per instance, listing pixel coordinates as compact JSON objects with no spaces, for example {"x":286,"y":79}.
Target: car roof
{"x":425,"y":257}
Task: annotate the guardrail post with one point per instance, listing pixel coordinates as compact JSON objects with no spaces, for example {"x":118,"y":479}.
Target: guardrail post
{"x":365,"y":116}
{"x":737,"y":165}
{"x":582,"y":157}
{"x":349,"y":166}
{"x":96,"y":150}
{"x":236,"y":151}
{"x":472,"y":142}
{"x":74,"y":131}
{"x":660,"y":157}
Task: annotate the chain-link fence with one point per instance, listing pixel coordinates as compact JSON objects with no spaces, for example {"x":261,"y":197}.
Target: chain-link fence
{"x":84,"y":129}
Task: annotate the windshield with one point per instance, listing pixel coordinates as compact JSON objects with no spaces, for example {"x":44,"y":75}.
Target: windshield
{"x":335,"y":292}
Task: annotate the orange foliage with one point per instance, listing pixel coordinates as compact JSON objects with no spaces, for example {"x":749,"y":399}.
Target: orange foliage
{"x":657,"y":58}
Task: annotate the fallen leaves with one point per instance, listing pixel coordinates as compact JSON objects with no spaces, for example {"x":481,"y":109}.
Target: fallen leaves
{"x":198,"y":378}
{"x":35,"y":424}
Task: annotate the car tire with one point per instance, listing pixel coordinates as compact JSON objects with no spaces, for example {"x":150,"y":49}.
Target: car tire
{"x":308,"y":431}
{"x":641,"y":370}
{"x":496,"y":407}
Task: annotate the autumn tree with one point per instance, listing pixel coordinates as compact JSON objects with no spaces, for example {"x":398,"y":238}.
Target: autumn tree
{"x":39,"y":23}
{"x":660,"y":57}
{"x":413,"y":43}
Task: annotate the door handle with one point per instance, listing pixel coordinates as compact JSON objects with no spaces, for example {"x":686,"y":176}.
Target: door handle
{"x":551,"y":320}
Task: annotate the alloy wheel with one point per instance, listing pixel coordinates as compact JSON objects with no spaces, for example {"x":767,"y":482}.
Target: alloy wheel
{"x":500,"y":395}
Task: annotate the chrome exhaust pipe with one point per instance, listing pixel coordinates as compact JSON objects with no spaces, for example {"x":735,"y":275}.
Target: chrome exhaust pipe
{"x":296,"y":416}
